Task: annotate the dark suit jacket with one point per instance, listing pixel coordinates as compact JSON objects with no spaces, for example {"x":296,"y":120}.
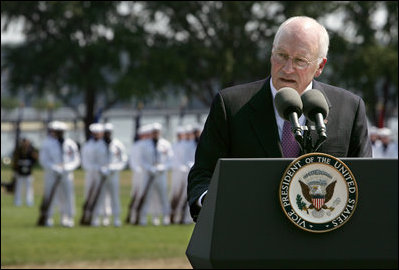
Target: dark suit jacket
{"x":242,"y":124}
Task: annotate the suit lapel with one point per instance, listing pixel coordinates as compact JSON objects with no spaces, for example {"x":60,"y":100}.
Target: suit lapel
{"x":318,"y":86}
{"x":263,"y":121}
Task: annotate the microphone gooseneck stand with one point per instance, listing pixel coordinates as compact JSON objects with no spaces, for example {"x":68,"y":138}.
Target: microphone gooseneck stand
{"x":305,"y":141}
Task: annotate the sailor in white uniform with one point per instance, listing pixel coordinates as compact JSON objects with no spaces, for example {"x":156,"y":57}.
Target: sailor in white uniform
{"x":59,"y":157}
{"x":387,"y":148}
{"x":112,"y":159}
{"x":179,"y":175}
{"x":156,"y":156}
{"x":135,"y":164}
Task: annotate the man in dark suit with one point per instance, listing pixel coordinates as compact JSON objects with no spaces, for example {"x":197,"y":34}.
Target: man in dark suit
{"x":243,"y":121}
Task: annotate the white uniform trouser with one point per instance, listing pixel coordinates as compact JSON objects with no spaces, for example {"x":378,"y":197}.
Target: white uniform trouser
{"x":109,"y":188}
{"x":139,"y":182}
{"x":136,"y":193}
{"x":159,"y":187}
{"x":154,"y":206}
{"x":64,"y":194}
{"x":23,"y":180}
{"x":90,"y":178}
{"x":178,"y":196}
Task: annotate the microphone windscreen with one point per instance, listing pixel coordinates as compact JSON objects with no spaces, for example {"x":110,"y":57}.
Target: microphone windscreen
{"x":287,"y":100}
{"x":314,"y":102}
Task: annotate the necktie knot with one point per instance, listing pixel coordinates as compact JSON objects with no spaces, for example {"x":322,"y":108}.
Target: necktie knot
{"x":288,"y":142}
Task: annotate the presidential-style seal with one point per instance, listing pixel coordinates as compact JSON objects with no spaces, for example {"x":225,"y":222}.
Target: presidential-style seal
{"x":318,"y":192}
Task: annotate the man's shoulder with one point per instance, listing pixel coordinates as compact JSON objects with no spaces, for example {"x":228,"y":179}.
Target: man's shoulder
{"x":243,"y":89}
{"x":49,"y":142}
{"x":332,"y":90}
{"x":237,"y":96}
{"x":70,"y":142}
{"x":88,"y":143}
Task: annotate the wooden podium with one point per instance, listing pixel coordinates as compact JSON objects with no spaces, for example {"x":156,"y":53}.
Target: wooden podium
{"x":242,"y":224}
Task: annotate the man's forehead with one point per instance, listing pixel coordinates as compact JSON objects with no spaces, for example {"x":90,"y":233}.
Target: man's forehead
{"x":298,"y":51}
{"x":299,"y":47}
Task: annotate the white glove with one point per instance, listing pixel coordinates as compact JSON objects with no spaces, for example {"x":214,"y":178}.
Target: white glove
{"x":160,"y":168}
{"x":153,"y":170}
{"x":57,"y":169}
{"x":111,"y":169}
{"x":105,"y":171}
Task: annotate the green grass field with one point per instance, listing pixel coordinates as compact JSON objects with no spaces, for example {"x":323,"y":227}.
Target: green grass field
{"x":23,"y":243}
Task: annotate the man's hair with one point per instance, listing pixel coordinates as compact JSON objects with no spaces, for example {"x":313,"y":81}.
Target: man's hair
{"x":324,"y":39}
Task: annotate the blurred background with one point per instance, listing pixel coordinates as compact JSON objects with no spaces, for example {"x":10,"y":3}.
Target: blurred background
{"x":128,"y":62}
{"x":137,"y":62}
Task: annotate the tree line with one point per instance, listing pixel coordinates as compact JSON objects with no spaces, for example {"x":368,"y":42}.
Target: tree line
{"x":116,"y":50}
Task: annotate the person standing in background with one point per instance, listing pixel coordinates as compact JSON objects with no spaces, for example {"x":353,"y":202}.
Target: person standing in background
{"x":135,"y":164}
{"x":24,"y":157}
{"x":92,"y":169}
{"x":156,"y":160}
{"x":97,"y":134}
{"x":374,"y":139}
{"x":178,"y":176}
{"x":111,"y":163}
{"x":387,"y":148}
{"x":59,"y":157}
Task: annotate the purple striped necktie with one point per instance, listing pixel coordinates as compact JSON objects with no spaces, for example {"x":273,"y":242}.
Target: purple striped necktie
{"x":288,"y":142}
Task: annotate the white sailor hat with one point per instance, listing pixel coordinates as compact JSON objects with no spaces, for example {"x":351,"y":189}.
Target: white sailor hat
{"x":384,"y":132}
{"x":373,"y":130}
{"x":188,"y":128}
{"x":57,"y":125}
{"x":140,"y":130}
{"x":96,"y":128}
{"x":108,"y":127}
{"x":145,"y":129}
{"x":180,"y":130}
{"x":156,"y":126}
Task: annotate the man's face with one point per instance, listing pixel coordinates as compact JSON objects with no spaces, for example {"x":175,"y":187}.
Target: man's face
{"x":385,"y":140}
{"x":156,"y":134}
{"x":98,"y":135}
{"x":25,"y":143}
{"x":373,"y":137}
{"x":181,"y":136}
{"x":296,"y":46}
{"x":59,"y":134}
{"x":108,"y":135}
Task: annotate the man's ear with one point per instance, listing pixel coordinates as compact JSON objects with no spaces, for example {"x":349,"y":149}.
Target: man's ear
{"x":320,"y":68}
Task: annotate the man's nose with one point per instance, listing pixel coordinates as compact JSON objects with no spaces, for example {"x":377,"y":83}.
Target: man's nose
{"x":288,"y":66}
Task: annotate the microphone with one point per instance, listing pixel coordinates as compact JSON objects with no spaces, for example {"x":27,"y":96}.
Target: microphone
{"x":289,"y":107}
{"x":316,"y":109}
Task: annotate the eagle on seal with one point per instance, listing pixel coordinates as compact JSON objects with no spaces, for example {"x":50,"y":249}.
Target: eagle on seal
{"x":317,"y":195}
